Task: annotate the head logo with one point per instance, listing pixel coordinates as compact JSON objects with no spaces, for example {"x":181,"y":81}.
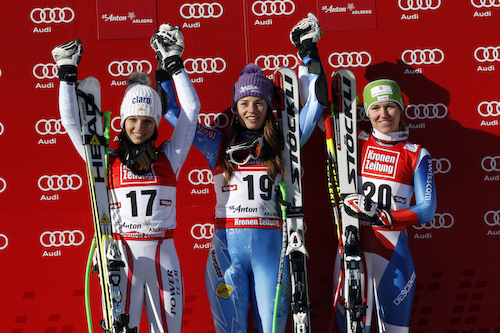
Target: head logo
{"x":275,"y":7}
{"x":201,"y":10}
{"x":52,"y":15}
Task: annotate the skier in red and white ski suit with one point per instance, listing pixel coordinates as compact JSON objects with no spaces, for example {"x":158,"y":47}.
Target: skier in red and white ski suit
{"x":392,"y":171}
{"x":142,"y":183}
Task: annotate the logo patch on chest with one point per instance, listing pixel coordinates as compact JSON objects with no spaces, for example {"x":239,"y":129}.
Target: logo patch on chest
{"x":380,"y":162}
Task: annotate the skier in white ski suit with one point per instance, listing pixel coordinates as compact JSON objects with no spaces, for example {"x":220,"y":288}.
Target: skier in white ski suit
{"x":142,"y":180}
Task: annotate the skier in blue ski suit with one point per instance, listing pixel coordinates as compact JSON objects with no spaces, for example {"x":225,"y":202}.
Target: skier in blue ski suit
{"x":244,"y":256}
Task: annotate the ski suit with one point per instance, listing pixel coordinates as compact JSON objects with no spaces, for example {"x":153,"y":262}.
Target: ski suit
{"x":142,"y":212}
{"x":244,"y":256}
{"x":392,"y":171}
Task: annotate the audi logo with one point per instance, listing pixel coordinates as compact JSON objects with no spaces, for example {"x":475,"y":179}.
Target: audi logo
{"x":125,"y":68}
{"x":492,"y":218}
{"x":491,"y":163}
{"x":6,"y":240}
{"x":440,"y":221}
{"x":277,"y":7}
{"x":419,"y":4}
{"x":52,"y":15}
{"x":214,"y":120}
{"x":204,"y":65}
{"x":201,"y":10}
{"x":423,"y":57}
{"x":273,"y":62}
{"x":45,"y":71}
{"x":486,"y":109}
{"x":426,"y":111}
{"x":201,"y":177}
{"x":60,"y":182}
{"x":3,"y":185}
{"x":490,"y":53}
{"x":49,"y":126}
{"x":441,"y":165}
{"x":485,"y":3}
{"x":115,"y":124}
{"x":349,"y":59}
{"x":62,"y":238}
{"x":202,"y":231}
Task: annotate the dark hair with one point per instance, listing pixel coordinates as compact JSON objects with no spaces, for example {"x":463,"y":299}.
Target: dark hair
{"x":271,"y":152}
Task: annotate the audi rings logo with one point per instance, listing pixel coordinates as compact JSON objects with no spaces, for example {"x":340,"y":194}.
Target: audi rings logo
{"x":202,"y":231}
{"x":492,"y":218}
{"x":214,"y":120}
{"x":491,"y":163}
{"x":204,"y":65}
{"x":125,"y":68}
{"x":423,"y":57}
{"x":62,"y":238}
{"x":3,"y":185}
{"x":60,"y":182}
{"x":440,"y":221}
{"x":486,"y":109}
{"x":485,"y":3}
{"x":276,"y":7}
{"x":49,"y":126}
{"x":52,"y":15}
{"x":201,"y":10}
{"x":273,"y":62}
{"x":45,"y":71}
{"x":115,"y":124}
{"x":426,"y":111}
{"x":419,"y":4}
{"x":349,"y":59}
{"x":201,"y":177}
{"x":490,"y":53}
{"x":3,"y":239}
{"x":441,"y":165}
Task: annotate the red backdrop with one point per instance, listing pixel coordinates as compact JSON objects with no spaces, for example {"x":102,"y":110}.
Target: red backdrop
{"x":444,"y":54}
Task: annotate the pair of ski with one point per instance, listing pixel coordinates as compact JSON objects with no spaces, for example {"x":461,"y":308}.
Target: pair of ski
{"x":107,"y":256}
{"x":342,"y":169}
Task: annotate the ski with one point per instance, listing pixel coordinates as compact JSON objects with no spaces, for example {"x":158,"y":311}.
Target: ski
{"x":344,"y":119}
{"x":288,"y":119}
{"x":108,"y":257}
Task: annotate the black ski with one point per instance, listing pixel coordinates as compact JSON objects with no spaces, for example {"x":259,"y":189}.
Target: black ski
{"x":288,"y":116}
{"x":343,"y":180}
